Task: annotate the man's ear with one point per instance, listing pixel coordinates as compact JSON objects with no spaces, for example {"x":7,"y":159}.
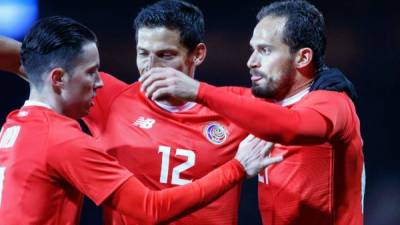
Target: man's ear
{"x":57,"y":78}
{"x":304,"y":58}
{"x":199,"y":54}
{"x":304,"y":62}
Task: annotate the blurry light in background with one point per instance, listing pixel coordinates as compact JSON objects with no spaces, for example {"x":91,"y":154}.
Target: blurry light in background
{"x":17,"y":16}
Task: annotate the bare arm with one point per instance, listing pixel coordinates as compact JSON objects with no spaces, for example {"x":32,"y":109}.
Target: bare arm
{"x":10,"y":57}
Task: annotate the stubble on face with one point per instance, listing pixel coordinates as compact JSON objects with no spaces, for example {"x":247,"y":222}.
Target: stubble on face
{"x":274,"y":87}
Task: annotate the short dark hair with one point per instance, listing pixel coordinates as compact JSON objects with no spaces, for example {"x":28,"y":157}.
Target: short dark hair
{"x":305,"y":26}
{"x":175,"y":15}
{"x":53,"y":42}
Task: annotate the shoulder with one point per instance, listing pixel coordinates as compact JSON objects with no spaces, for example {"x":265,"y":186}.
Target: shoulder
{"x":323,"y":97}
{"x":336,"y":107}
{"x":69,"y":148}
{"x":132,"y":91}
{"x":107,"y":76}
{"x":63,"y":131}
{"x":327,"y":102}
{"x":111,"y":80}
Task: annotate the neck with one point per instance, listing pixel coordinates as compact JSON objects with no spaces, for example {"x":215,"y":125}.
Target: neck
{"x":41,"y":96}
{"x":299,"y":87}
{"x":302,"y":80}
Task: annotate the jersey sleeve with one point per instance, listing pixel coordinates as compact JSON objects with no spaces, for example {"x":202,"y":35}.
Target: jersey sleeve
{"x":242,"y":91}
{"x":99,"y":176}
{"x":153,"y":207}
{"x":319,"y":116}
{"x":90,"y":170}
{"x":104,"y":97}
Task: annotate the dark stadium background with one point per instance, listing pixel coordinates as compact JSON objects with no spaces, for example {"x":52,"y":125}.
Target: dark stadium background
{"x":363,"y":41}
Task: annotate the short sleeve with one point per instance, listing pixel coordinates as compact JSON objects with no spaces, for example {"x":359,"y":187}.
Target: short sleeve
{"x":98,"y":114}
{"x":87,"y":168}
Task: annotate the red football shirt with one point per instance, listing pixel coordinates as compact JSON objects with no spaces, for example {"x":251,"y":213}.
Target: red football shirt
{"x":164,"y":148}
{"x":46,"y":163}
{"x":320,"y":180}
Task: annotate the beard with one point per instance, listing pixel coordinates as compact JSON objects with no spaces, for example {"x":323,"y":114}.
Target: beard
{"x":273,"y":87}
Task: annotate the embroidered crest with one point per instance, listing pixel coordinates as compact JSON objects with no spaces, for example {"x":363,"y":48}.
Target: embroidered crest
{"x":215,"y":133}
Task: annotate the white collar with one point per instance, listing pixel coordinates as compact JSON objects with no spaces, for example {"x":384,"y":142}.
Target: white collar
{"x":36,"y":103}
{"x":295,"y":98}
{"x":172,"y":108}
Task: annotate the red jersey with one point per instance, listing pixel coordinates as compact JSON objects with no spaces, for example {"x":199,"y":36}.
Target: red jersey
{"x":320,"y":180}
{"x":46,"y":163}
{"x":45,"y":175}
{"x":165,"y":148}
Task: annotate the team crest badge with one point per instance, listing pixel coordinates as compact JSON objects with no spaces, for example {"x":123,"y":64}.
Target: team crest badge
{"x":215,"y":133}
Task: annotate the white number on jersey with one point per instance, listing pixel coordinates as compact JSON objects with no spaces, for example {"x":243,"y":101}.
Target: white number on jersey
{"x":176,"y":171}
{"x":7,"y":140}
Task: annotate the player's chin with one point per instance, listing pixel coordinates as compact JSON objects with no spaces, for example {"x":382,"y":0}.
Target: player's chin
{"x":256,"y":85}
{"x":261,"y":92}
{"x":82,"y":114}
{"x":86,"y":109}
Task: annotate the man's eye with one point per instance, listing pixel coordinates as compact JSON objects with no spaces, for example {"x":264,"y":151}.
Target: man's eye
{"x":167,"y":55}
{"x":141,"y":53}
{"x":266,"y":51}
{"x":93,"y":73}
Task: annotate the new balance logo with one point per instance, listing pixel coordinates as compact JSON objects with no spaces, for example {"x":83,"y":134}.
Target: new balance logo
{"x":144,"y":123}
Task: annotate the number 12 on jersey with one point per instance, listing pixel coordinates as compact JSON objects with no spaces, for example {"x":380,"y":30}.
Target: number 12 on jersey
{"x":177,"y":170}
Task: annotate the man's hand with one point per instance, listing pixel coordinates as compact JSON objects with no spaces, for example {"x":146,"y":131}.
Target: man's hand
{"x":160,"y":83}
{"x":253,"y":155}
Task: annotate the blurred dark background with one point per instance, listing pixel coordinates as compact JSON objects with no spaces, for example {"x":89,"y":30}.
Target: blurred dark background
{"x":363,"y":40}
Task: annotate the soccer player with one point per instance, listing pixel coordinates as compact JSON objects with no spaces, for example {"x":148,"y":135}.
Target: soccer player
{"x":47,"y":162}
{"x":318,"y":132}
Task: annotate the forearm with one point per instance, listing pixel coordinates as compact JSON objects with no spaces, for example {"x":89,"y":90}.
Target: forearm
{"x":10,"y":56}
{"x":266,"y":120}
{"x":143,"y":204}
